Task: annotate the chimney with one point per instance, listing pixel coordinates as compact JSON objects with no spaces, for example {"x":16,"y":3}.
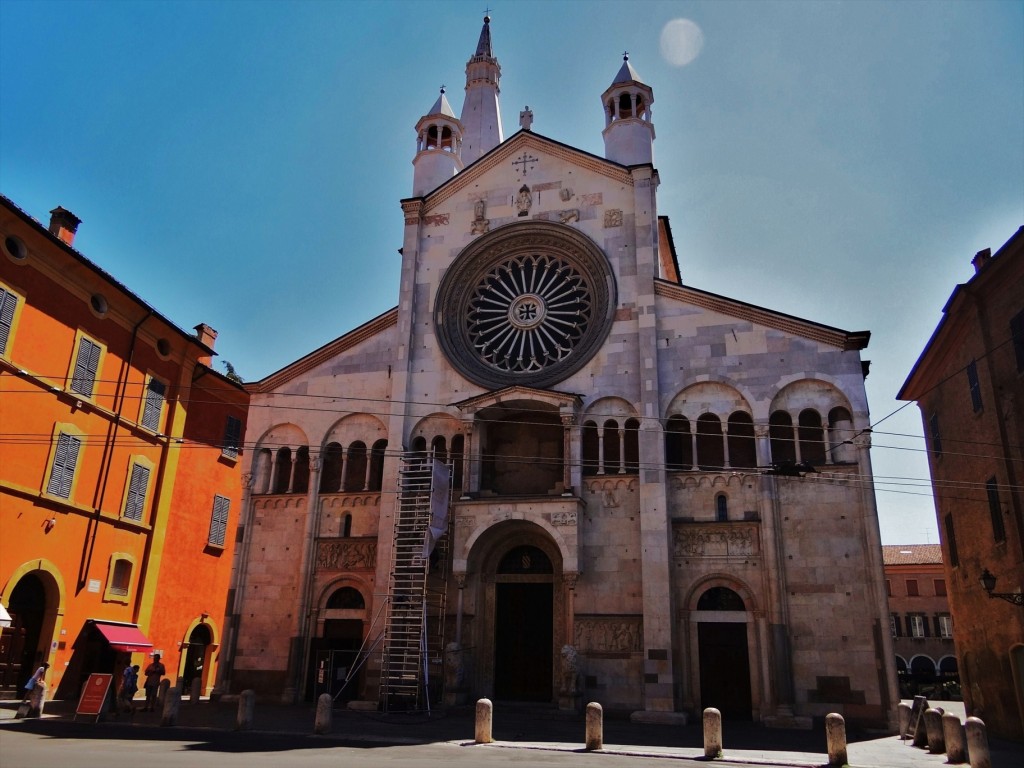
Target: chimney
{"x":64,"y":224}
{"x":207,"y":336}
{"x":981,"y":258}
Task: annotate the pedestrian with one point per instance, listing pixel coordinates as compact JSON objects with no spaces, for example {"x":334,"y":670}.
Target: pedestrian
{"x":153,"y":674}
{"x":37,"y":677}
{"x":129,"y":685}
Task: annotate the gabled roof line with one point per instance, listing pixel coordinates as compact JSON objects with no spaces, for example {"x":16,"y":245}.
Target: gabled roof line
{"x":319,"y":356}
{"x":826,"y":334}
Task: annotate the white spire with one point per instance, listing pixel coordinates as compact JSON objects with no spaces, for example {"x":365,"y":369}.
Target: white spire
{"x":481,"y":114}
{"x":438,"y":147}
{"x":629,"y":132}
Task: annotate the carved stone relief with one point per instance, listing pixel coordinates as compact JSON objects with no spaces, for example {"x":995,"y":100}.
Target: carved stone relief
{"x":709,"y":541}
{"x":564,"y":518}
{"x":609,"y":635}
{"x":347,"y":555}
{"x":613,"y":218}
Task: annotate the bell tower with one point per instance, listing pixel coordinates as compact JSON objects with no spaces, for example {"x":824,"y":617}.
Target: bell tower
{"x":481,"y":114}
{"x":629,"y":132}
{"x":438,"y":147}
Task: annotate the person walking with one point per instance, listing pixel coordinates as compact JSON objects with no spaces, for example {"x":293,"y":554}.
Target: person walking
{"x":154,"y":672}
{"x":129,"y":685}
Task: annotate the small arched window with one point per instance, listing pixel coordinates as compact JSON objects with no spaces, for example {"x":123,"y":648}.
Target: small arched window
{"x":742,"y":452}
{"x":300,"y":484}
{"x":678,"y":443}
{"x":710,"y":450}
{"x":812,"y":437}
{"x":355,"y":467}
{"x":282,"y":470}
{"x":458,"y":453}
{"x":721,"y":508}
{"x":625,"y":106}
{"x":432,"y":137}
{"x":780,"y":436}
{"x":330,"y":475}
{"x":346,"y":598}
{"x":377,"y":464}
{"x":346,"y":526}
{"x":610,"y":438}
{"x":439,"y":449}
{"x":446,"y":138}
{"x":589,"y":448}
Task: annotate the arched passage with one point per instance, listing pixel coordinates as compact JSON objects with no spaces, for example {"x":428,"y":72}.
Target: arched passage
{"x":723,"y":653}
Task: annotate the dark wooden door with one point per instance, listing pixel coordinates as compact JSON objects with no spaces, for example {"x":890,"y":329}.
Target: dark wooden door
{"x":725,"y":669}
{"x":522,"y":642}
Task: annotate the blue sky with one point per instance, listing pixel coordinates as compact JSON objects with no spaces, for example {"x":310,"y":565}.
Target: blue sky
{"x":241,"y":163}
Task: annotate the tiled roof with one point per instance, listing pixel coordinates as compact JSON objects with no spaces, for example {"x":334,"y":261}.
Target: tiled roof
{"x":911,"y":554}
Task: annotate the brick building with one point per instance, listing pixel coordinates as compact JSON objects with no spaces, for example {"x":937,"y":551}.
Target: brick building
{"x":920,"y":622}
{"x":969,"y":385}
{"x":119,"y":470}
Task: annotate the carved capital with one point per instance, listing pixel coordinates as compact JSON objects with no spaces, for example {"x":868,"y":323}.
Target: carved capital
{"x":570,"y":578}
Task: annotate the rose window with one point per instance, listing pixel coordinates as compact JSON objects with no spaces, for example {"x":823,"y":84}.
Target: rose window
{"x":525,"y":304}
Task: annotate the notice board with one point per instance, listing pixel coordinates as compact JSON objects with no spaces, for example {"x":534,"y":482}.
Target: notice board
{"x":94,"y":694}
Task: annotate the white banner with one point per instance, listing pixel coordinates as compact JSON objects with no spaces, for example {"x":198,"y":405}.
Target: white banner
{"x":440,"y":487}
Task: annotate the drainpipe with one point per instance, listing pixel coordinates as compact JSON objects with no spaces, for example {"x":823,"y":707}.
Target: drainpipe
{"x":108,"y":455}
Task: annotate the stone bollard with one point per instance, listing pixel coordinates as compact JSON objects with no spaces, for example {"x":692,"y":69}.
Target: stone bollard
{"x":977,"y":743}
{"x":933,"y":726}
{"x":835,"y":737}
{"x":324,"y":713}
{"x":161,"y":693}
{"x":195,"y":691}
{"x":953,"y":736}
{"x":246,"y":710}
{"x":595,"y":726}
{"x":712,"y":733}
{"x":172,"y":702}
{"x":484,"y":716}
{"x":903,"y":715}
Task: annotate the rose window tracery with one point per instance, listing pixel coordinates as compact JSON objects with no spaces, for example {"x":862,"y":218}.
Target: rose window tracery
{"x":526,"y":304}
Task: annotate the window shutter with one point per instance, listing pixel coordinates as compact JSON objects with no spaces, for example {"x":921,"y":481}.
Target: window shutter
{"x":63,"y":471}
{"x":924,"y":625}
{"x":219,"y":522}
{"x":896,"y":625}
{"x":88,"y":360}
{"x":937,"y":626}
{"x":910,"y":625}
{"x":155,"y":392}
{"x":8,"y":301}
{"x":135,"y":503}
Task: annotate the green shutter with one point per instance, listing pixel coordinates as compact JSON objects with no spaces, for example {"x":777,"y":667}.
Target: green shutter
{"x":219,"y":522}
{"x":8,"y":301}
{"x":86,"y":364}
{"x":135,"y":503}
{"x":155,"y":392}
{"x":65,"y":459}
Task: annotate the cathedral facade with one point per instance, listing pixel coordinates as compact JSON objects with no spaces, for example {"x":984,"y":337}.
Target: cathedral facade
{"x":661,"y":498}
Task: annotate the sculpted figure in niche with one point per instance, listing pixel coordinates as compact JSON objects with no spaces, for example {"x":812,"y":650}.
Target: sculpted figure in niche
{"x":524,"y":200}
{"x":569,"y":670}
{"x":480,"y":223}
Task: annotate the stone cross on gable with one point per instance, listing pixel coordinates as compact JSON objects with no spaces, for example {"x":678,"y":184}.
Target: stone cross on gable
{"x":526,"y":118}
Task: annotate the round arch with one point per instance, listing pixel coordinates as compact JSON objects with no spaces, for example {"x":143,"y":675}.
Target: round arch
{"x":53,"y":612}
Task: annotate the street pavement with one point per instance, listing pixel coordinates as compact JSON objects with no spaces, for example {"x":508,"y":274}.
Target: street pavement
{"x":524,"y":735}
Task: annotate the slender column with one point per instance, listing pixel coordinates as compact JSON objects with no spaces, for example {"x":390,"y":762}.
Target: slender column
{"x":273,"y":473}
{"x":369,"y":468}
{"x":468,"y":481}
{"x":600,"y":450}
{"x":567,"y":422}
{"x":826,"y":436}
{"x":460,"y":581}
{"x":291,"y":474}
{"x":570,"y":578}
{"x":693,"y":446}
{"x":762,"y":445}
{"x":725,"y":446}
{"x":796,"y":440}
{"x":622,"y":449}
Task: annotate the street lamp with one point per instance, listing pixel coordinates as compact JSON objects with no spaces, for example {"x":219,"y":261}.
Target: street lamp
{"x":988,"y":582}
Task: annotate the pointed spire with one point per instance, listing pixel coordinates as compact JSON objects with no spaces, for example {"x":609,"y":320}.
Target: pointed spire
{"x":483,"y":48}
{"x":626,"y":72}
{"x":481,"y":112}
{"x":441,"y":106}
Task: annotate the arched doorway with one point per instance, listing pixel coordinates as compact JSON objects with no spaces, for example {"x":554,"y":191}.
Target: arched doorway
{"x":523,"y":625}
{"x":334,"y":658}
{"x":20,"y":651}
{"x":723,"y":653}
{"x":199,"y":640}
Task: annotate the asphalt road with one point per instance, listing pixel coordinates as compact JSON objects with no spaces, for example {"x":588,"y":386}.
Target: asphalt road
{"x":149,"y":748}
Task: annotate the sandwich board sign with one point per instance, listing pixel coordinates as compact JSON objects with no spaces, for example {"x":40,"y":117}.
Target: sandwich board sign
{"x":94,"y":694}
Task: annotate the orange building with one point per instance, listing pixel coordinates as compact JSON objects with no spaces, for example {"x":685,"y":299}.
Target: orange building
{"x":120,"y":477}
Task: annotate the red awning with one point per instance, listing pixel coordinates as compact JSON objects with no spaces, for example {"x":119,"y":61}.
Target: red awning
{"x":124,"y":637}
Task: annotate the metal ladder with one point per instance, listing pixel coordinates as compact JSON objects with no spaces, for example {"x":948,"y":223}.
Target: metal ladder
{"x":414,"y":640}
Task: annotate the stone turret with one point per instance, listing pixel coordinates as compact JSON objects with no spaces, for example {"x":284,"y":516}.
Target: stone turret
{"x":629,"y":132}
{"x":438,"y":147}
{"x":481,"y":113}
